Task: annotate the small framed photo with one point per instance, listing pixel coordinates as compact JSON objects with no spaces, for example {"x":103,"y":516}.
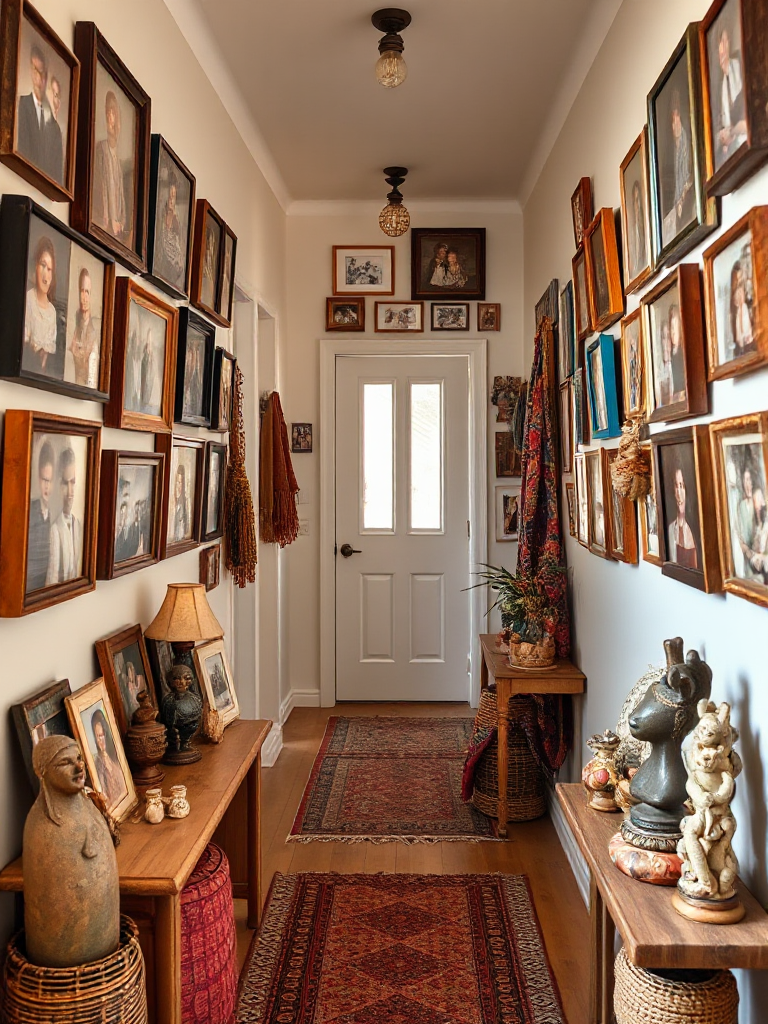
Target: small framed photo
{"x":38,"y":98}
{"x":213,"y":490}
{"x":580,"y":418}
{"x":390,"y":317}
{"x":364,"y":270}
{"x":740,"y":454}
{"x":649,"y":519}
{"x":195,"y":349}
{"x":112,"y":186}
{"x":123,"y":660}
{"x":183,"y":482}
{"x":95,"y":728}
{"x":581,"y":210}
{"x":216,"y":678}
{"x":606,"y":297}
{"x":489,"y":316}
{"x":345,"y":314}
{"x":632,"y":364}
{"x":226,"y":294}
{"x":171,"y":218}
{"x":40,"y":716}
{"x":582,"y":499}
{"x":685,"y":501}
{"x":582,"y":312}
{"x":206,"y":259}
{"x":635,"y":214}
{"x":566,"y":426}
{"x":736,"y":297}
{"x":301,"y":437}
{"x":507,"y":513}
{"x":675,"y":380}
{"x":450,"y":316}
{"x":507,"y":457}
{"x":448,"y":263}
{"x":567,"y":333}
{"x":547,"y":306}
{"x":49,"y":505}
{"x":130,"y":508}
{"x":570,"y":495}
{"x":601,"y":383}
{"x":210,"y":566}
{"x":597,"y":503}
{"x":622,"y":519}
{"x":223,"y":390}
{"x":681,"y":214}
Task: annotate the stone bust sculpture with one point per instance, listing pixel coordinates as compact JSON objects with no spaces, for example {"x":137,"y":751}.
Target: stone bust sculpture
{"x":71,"y":889}
{"x":181,"y":711}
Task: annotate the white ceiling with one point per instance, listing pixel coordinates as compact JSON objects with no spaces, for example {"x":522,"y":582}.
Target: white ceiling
{"x":484,"y":78}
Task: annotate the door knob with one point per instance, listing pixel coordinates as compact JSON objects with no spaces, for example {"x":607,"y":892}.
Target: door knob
{"x":347,"y":550}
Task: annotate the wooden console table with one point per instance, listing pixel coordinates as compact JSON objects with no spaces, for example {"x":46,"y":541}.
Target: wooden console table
{"x":562,"y":677}
{"x":155,"y":861}
{"x":654,"y":934}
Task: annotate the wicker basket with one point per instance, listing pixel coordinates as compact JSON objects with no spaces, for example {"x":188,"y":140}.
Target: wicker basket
{"x":526,"y":793}
{"x":108,"y":991}
{"x":694,"y":997}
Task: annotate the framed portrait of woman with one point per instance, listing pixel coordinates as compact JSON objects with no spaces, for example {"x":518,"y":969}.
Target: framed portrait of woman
{"x":635,"y":214}
{"x":123,"y":660}
{"x":171,"y":219}
{"x":213,"y":494}
{"x":632,"y":364}
{"x":129,"y":512}
{"x":194,"y":369}
{"x":606,"y":297}
{"x":184,"y":476}
{"x":112,"y":184}
{"x":208,"y":261}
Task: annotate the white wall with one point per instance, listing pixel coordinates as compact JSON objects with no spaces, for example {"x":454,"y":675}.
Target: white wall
{"x":58,"y":642}
{"x":623,"y":613}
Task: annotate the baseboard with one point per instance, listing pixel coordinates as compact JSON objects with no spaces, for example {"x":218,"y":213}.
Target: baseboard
{"x":298,"y":699}
{"x":273,"y":744}
{"x":572,"y":852}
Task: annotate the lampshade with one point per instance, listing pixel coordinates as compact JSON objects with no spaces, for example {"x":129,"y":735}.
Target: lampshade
{"x":185,"y":616}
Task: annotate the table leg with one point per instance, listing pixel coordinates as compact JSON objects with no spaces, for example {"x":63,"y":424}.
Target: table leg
{"x":609,"y":934}
{"x":254,"y":843}
{"x":483,"y":672}
{"x":168,"y":959}
{"x":601,"y":964}
{"x":502,"y":709}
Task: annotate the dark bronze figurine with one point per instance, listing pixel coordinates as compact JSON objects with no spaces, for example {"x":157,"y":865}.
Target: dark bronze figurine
{"x":181,"y":711}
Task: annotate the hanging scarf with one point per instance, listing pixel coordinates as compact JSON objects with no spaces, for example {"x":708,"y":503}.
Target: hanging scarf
{"x":278,"y":488}
{"x":239,"y":518}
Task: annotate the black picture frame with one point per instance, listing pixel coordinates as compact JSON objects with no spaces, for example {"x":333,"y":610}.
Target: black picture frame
{"x":159,"y":265}
{"x":42,"y":715}
{"x":191,"y":324}
{"x":469,"y":245}
{"x":226,"y":290}
{"x":222,"y":396}
{"x":211,"y":530}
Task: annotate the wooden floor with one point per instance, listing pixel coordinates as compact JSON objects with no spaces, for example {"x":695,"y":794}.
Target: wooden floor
{"x":533,"y":848}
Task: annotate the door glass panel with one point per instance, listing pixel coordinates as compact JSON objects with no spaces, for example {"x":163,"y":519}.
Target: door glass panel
{"x":378,"y":457}
{"x":426,"y":436}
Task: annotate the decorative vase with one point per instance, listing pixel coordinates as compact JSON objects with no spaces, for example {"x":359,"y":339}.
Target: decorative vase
{"x":155,"y":809}
{"x":531,"y":655}
{"x":178,"y":805}
{"x":599,"y":775}
{"x":145,"y":743}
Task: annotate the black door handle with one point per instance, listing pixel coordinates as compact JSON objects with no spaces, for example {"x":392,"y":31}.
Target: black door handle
{"x":347,"y":550}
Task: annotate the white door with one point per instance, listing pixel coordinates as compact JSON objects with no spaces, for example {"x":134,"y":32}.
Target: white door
{"x":402,"y":526}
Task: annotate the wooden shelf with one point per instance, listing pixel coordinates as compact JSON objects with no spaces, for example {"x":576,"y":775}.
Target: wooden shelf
{"x":561,"y":677}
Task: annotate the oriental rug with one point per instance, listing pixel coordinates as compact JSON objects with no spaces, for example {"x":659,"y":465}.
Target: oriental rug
{"x":398,"y":949}
{"x":390,"y":780}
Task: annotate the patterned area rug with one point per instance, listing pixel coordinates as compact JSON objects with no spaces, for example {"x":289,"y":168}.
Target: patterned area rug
{"x":390,"y":780}
{"x":398,"y":949}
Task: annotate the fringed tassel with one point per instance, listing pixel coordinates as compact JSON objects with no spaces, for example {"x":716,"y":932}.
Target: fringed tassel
{"x":631,"y":469}
{"x":239,"y":518}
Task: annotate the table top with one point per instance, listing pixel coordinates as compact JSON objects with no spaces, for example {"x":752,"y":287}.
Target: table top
{"x":561,"y":677}
{"x":157,"y":860}
{"x":654,"y":934}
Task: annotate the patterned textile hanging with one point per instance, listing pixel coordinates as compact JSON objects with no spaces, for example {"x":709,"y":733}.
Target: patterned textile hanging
{"x":239,"y":516}
{"x":278,"y":488}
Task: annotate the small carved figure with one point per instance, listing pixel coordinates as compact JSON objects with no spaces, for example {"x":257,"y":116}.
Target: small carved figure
{"x":181,"y":711}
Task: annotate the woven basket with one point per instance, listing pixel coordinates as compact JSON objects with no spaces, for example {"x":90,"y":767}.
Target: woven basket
{"x":526,"y":793}
{"x":697,"y":997}
{"x":108,"y":991}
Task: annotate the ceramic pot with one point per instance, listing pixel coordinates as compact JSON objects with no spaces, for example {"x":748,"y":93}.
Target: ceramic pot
{"x":178,"y":805}
{"x":145,"y":744}
{"x":155,"y":809}
{"x":599,"y":775}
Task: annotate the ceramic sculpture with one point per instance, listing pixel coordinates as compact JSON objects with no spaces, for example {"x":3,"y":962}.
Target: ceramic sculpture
{"x":599,"y":775}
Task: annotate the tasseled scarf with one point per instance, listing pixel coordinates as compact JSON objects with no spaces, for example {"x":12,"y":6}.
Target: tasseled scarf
{"x":278,"y":488}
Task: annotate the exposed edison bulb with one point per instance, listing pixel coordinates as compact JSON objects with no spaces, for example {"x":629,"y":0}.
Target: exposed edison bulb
{"x":394,"y":220}
{"x":391,"y":69}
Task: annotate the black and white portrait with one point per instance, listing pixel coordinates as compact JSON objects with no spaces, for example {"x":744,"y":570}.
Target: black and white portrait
{"x":675,"y":153}
{"x":172,"y":222}
{"x":134,"y":511}
{"x":144,"y":361}
{"x":43,"y":87}
{"x":115,"y":160}
{"x":734,"y":294}
{"x":726,"y":84}
{"x":216,"y":469}
{"x":183,"y":487}
{"x":666,"y":348}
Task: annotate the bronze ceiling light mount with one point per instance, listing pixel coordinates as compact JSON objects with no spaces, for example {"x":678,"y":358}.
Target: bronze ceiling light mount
{"x":391,"y":69}
{"x":394,"y":219}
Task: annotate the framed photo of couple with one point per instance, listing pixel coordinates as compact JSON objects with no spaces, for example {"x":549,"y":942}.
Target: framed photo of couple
{"x":123,"y":660}
{"x":448,"y":263}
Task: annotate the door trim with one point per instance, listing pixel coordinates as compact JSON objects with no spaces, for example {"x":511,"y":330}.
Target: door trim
{"x":476,"y":352}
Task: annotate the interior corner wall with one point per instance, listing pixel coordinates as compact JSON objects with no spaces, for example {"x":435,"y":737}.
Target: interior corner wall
{"x":622,"y":613}
{"x":57,"y":643}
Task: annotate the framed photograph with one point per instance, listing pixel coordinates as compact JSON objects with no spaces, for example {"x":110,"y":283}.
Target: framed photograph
{"x":49,"y":507}
{"x":210,"y":566}
{"x":398,"y":316}
{"x":681,"y":214}
{"x":606,"y":298}
{"x":195,"y":349}
{"x":597,"y":503}
{"x":740,"y":456}
{"x":567,"y":333}
{"x":736,"y":297}
{"x":675,"y":379}
{"x":734,"y":41}
{"x":226,"y":294}
{"x":363,"y":270}
{"x":450,"y":316}
{"x":635,"y":214}
{"x":547,"y":306}
{"x":632,"y":364}
{"x":345,"y":315}
{"x":649,"y":520}
{"x":507,"y":458}
{"x":505,"y":394}
{"x":216,"y":678}
{"x":301,"y":437}
{"x":223,"y":390}
{"x":582,"y":312}
{"x":448,"y":263}
{"x":601,"y":384}
{"x":130,"y":508}
{"x":622,"y":518}
{"x":566,"y":426}
{"x":94,"y":726}
{"x":161,"y":660}
{"x":38,"y":717}
{"x":489,"y":316}
{"x":205,"y":285}
{"x":183,"y":482}
{"x":39,"y":90}
{"x":142,"y":389}
{"x":56,"y":294}
{"x":581,"y":210}
{"x":112,"y":183}
{"x":507,"y":513}
{"x":570,"y":495}
{"x":213,"y":490}
{"x":580,"y":419}
{"x":685,"y":503}
{"x":582,"y":499}
{"x":171,"y":218}
{"x":124,"y":661}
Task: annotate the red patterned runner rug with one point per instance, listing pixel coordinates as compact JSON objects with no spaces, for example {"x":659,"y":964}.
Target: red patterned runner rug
{"x":390,"y":780}
{"x":398,"y":949}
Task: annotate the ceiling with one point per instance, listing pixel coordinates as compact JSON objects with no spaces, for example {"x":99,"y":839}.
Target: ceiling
{"x":483,"y":77}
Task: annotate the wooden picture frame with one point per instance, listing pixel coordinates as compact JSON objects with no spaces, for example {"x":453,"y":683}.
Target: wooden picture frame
{"x":449,"y":316}
{"x":566,"y":426}
{"x":582,"y":499}
{"x":182,"y":505}
{"x":226,"y":295}
{"x":363,"y":270}
{"x":685,"y":500}
{"x":649,"y":518}
{"x":91,"y":716}
{"x":109,"y":94}
{"x":33,"y":59}
{"x":489,"y":316}
{"x":124,"y":663}
{"x":583,"y":314}
{"x":42,"y":715}
{"x":301,"y":438}
{"x":606,"y":297}
{"x":56,"y":328}
{"x":621,"y":516}
{"x":345,"y":314}
{"x":736,"y":297}
{"x":43,"y":565}
{"x":736,"y":138}
{"x":570,"y":497}
{"x":216,"y":680}
{"x":580,"y":402}
{"x":507,"y":513}
{"x":740,"y":461}
{"x":214,"y":488}
{"x":634,"y":182}
{"x":597,"y":495}
{"x":601,"y":386}
{"x":130,"y":510}
{"x":447,"y":263}
{"x":195,"y":348}
{"x":633,"y":364}
{"x":171,"y":220}
{"x":675,"y":377}
{"x":581,"y":210}
{"x":223,"y":392}
{"x":398,"y":317}
{"x":508,"y":461}
{"x":210,"y":566}
{"x":207,"y":265}
{"x":567,"y":334}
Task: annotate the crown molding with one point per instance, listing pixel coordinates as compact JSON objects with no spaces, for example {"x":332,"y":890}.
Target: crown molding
{"x":372,"y":208}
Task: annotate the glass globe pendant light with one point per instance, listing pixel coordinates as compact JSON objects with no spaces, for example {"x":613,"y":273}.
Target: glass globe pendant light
{"x":394,"y":219}
{"x":391,"y":69}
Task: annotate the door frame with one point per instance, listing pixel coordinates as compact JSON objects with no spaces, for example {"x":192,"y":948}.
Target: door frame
{"x":476,"y":352}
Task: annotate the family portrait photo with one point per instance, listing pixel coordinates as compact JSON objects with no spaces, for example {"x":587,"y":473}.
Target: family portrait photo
{"x":134,"y":513}
{"x":364,"y":271}
{"x":301,"y":437}
{"x":183,"y":488}
{"x":172,"y":205}
{"x":733,"y":288}
{"x":726,"y":84}
{"x":341,"y":315}
{"x":745,"y":473}
{"x":635,"y":214}
{"x":679,"y":505}
{"x":115,"y":160}
{"x":666,"y":349}
{"x":144,"y":360}
{"x":449,"y":262}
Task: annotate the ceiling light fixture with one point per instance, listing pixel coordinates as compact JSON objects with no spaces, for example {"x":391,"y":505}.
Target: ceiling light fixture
{"x":394,"y":219}
{"x":390,"y":67}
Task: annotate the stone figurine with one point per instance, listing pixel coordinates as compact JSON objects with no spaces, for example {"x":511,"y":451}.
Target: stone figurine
{"x":181,"y":711}
{"x":599,"y":775}
{"x":71,"y":889}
